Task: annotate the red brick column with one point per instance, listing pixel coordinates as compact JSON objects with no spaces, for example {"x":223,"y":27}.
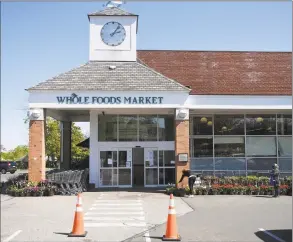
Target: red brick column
{"x":36,"y":155}
{"x":182,"y":146}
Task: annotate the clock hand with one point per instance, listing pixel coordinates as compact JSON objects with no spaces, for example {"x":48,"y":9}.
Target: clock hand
{"x":115,"y":31}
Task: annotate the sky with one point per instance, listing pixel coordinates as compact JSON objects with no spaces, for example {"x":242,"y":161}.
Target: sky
{"x":42,"y":40}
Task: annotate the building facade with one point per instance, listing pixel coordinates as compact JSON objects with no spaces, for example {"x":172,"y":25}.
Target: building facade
{"x":154,"y":113}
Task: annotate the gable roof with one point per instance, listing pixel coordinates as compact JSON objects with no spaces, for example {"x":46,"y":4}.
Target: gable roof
{"x":100,"y":76}
{"x":112,"y":11}
{"x":225,"y":72}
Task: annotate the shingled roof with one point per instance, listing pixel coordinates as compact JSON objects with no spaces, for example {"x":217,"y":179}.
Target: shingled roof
{"x":225,"y":72}
{"x":112,"y":11}
{"x":111,"y":76}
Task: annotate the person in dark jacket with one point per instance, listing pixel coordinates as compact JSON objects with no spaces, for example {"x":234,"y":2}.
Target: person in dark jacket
{"x":275,"y":174}
{"x":191,"y":180}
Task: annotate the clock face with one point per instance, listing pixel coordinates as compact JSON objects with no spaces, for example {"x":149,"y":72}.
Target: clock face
{"x":113,"y":34}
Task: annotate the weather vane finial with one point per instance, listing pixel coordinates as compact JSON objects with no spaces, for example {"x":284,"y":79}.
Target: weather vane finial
{"x":111,"y":4}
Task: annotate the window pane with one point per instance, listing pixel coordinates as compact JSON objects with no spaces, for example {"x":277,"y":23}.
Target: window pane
{"x":229,"y":147}
{"x":203,"y":147}
{"x":107,"y":128}
{"x":230,"y":164}
{"x":151,"y":158}
{"x":127,"y":128}
{"x":169,"y":176}
{"x":169,"y":158}
{"x":285,"y":164}
{"x":166,"y":128}
{"x":261,"y":146}
{"x":229,"y":173}
{"x":161,"y":158}
{"x":284,"y":124}
{"x":148,"y":128}
{"x":161,"y":176}
{"x":261,"y":124}
{"x":202,"y":125}
{"x":260,"y":163}
{"x":285,"y":146}
{"x":124,"y":177}
{"x":202,"y":164}
{"x":151,"y":176}
{"x":229,"y":124}
{"x":108,"y":158}
{"x":106,"y":177}
{"x":122,"y":158}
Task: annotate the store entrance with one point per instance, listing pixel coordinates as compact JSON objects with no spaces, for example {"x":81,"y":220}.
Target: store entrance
{"x":138,"y":167}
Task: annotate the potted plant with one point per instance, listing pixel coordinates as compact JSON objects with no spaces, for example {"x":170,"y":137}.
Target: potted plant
{"x":181,"y":192}
{"x":204,"y":191}
{"x":270,"y":190}
{"x":284,"y":189}
{"x":21,"y":192}
{"x":248,"y":190}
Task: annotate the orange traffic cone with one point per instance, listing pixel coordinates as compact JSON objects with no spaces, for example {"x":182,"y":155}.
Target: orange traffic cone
{"x":78,"y":224}
{"x":171,"y":230}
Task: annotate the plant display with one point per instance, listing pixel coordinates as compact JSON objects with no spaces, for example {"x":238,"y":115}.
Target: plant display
{"x":250,"y":185}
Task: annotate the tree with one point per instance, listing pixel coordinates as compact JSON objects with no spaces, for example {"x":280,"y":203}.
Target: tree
{"x":53,"y":139}
{"x":15,"y":154}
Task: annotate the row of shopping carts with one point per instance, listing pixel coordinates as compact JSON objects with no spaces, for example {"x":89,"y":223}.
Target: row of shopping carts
{"x":69,"y":182}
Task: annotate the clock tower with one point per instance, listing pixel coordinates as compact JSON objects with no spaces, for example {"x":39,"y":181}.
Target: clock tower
{"x":113,"y":35}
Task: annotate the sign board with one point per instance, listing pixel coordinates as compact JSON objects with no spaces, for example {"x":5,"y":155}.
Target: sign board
{"x":75,"y":99}
{"x":183,"y":157}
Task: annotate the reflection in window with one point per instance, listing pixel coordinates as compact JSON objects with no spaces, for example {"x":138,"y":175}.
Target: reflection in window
{"x":229,"y":147}
{"x":169,"y":158}
{"x":202,"y":125}
{"x":127,"y":128}
{"x":261,"y":146}
{"x":229,"y":124}
{"x":107,"y":128}
{"x":124,"y":177}
{"x":122,"y":158}
{"x":108,"y":158}
{"x":285,"y":146}
{"x":148,"y":128}
{"x":166,"y":127}
{"x":151,"y":176}
{"x":202,"y":164}
{"x":261,"y":124}
{"x":260,"y":163}
{"x":284,"y":124}
{"x":230,"y":164}
{"x":285,"y":164}
{"x":203,"y":147}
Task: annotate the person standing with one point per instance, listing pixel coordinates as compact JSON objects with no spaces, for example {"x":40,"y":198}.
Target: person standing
{"x":275,"y":174}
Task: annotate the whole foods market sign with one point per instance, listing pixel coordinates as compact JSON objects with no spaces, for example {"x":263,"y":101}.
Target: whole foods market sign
{"x":75,"y":99}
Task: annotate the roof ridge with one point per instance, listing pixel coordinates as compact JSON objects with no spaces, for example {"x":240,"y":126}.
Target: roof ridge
{"x":217,"y":51}
{"x":151,"y":69}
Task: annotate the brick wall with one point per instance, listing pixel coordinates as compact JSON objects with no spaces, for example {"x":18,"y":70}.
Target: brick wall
{"x":36,"y":155}
{"x":182,"y":146}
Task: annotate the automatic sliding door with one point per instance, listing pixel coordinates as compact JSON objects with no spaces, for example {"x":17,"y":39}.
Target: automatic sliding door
{"x":108,"y":168}
{"x":151,"y":166}
{"x":125,"y":167}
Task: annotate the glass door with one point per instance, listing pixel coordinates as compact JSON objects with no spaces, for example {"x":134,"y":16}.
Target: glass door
{"x":124,"y":167}
{"x":151,"y":166}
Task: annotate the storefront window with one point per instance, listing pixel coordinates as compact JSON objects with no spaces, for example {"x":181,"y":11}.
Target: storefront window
{"x":229,"y":124}
{"x":202,"y":125}
{"x":284,"y":124}
{"x":203,"y":147}
{"x":169,"y":158}
{"x":285,"y":146}
{"x":261,"y":146}
{"x":151,"y":176}
{"x":261,"y":124}
{"x":285,"y":164}
{"x":107,"y":128}
{"x":229,"y":147}
{"x":230,"y":164}
{"x":260,"y":164}
{"x":148,"y":127}
{"x":128,"y":128}
{"x":202,"y":164}
{"x":108,"y":158}
{"x":166,"y":128}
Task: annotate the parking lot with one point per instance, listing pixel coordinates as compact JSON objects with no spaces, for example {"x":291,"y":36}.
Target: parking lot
{"x":141,"y":216}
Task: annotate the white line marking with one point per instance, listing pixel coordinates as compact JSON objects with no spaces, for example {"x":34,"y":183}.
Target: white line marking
{"x":88,"y":225}
{"x":147,"y":237}
{"x":117,"y":204}
{"x":117,"y":201}
{"x":115,"y":213}
{"x":12,"y":236}
{"x":272,"y":235}
{"x":114,"y":218}
{"x":120,"y":209}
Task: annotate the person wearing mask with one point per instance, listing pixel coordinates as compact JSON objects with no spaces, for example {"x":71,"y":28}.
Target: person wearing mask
{"x":275,"y":173}
{"x":191,"y":180}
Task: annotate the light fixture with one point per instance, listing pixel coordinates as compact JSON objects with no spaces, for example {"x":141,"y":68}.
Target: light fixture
{"x":203,"y":120}
{"x":224,"y":128}
{"x":210,"y":123}
{"x":259,"y":120}
{"x":36,"y":114}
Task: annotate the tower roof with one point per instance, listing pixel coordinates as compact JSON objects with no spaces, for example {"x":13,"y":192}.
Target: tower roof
{"x":112,"y":11}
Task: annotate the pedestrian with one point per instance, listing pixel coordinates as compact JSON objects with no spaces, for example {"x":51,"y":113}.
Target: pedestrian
{"x":275,"y":173}
{"x":191,"y":180}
